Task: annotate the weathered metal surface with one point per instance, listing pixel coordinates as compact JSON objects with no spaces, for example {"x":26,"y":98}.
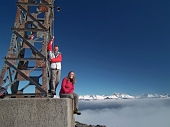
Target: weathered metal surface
{"x":7,"y":77}
{"x":40,"y":63}
{"x":44,"y":80}
{"x":12,"y":61}
{"x":33,"y":4}
{"x":31,"y":16}
{"x":19,"y":94}
{"x":25,"y":72}
{"x":2,"y":74}
{"x":43,"y":8}
{"x":29,"y":44}
{"x":26,"y":77}
{"x":22,"y":52}
{"x":33,"y":30}
{"x":17,"y":18}
{"x":25,"y":1}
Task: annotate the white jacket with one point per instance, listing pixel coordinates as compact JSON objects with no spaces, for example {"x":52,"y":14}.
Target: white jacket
{"x":54,"y":65}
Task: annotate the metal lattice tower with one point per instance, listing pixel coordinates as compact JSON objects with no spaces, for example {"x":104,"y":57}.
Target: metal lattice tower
{"x":26,"y":62}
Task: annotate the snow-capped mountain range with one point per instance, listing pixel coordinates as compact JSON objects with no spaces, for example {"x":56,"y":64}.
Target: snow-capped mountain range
{"x":122,"y":96}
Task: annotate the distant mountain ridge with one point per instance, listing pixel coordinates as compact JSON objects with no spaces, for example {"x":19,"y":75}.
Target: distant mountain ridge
{"x":122,"y":96}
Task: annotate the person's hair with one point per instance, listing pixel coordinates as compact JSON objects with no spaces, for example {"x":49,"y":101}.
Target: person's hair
{"x":74,"y":77}
{"x":55,"y":45}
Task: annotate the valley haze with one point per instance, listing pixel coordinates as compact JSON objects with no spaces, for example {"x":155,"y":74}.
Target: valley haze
{"x":123,"y":110}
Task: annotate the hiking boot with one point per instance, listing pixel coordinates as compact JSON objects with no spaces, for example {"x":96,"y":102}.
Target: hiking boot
{"x":53,"y":92}
{"x":49,"y":91}
{"x":77,"y":112}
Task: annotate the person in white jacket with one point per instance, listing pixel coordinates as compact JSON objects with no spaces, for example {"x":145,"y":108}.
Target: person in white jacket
{"x":55,"y":58}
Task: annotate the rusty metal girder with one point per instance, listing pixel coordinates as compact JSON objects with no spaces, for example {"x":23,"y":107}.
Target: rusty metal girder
{"x":32,"y":17}
{"x":26,"y":77}
{"x":24,"y":29}
{"x":24,"y":45}
{"x":2,"y":74}
{"x":26,"y":1}
{"x":7,"y":77}
{"x":33,"y":4}
{"x":32,"y":47}
{"x":43,"y":9}
{"x":20,"y":75}
{"x":23,"y":57}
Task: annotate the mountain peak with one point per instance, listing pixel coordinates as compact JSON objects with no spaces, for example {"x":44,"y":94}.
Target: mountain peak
{"x":117,"y":95}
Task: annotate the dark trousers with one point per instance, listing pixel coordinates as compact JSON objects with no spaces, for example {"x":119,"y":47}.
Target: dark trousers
{"x":73,"y":96}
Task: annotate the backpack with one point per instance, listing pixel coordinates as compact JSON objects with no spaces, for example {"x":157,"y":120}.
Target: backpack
{"x":3,"y":92}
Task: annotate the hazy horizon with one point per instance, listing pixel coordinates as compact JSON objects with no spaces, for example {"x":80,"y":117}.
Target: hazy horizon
{"x":126,"y":112}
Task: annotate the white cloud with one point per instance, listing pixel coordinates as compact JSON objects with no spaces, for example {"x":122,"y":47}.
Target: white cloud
{"x":126,"y":113}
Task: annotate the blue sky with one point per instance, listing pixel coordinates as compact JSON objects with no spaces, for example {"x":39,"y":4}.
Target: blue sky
{"x":112,"y":45}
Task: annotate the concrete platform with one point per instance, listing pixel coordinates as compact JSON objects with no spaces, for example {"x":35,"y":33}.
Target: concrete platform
{"x":36,"y":112}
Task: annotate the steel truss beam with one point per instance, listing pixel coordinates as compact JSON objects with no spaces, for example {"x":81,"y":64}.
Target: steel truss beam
{"x":24,"y":57}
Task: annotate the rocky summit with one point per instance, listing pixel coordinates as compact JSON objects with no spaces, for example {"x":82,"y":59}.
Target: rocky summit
{"x":78,"y":124}
{"x":89,"y":125}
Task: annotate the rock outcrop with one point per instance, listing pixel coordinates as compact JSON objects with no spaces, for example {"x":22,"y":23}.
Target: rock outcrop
{"x":78,"y":124}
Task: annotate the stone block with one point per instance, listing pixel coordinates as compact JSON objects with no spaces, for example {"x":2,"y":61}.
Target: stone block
{"x":36,"y":112}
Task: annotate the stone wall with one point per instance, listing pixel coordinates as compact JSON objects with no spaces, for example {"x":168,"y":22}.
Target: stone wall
{"x":36,"y":112}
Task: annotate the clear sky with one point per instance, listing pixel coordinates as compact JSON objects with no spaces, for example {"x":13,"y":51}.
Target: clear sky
{"x":112,"y":45}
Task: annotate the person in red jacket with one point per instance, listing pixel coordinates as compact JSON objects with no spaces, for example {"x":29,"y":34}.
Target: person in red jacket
{"x":67,"y":90}
{"x":55,"y":59}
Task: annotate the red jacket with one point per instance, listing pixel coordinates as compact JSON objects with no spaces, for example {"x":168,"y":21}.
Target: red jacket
{"x":67,"y":87}
{"x":53,"y":59}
